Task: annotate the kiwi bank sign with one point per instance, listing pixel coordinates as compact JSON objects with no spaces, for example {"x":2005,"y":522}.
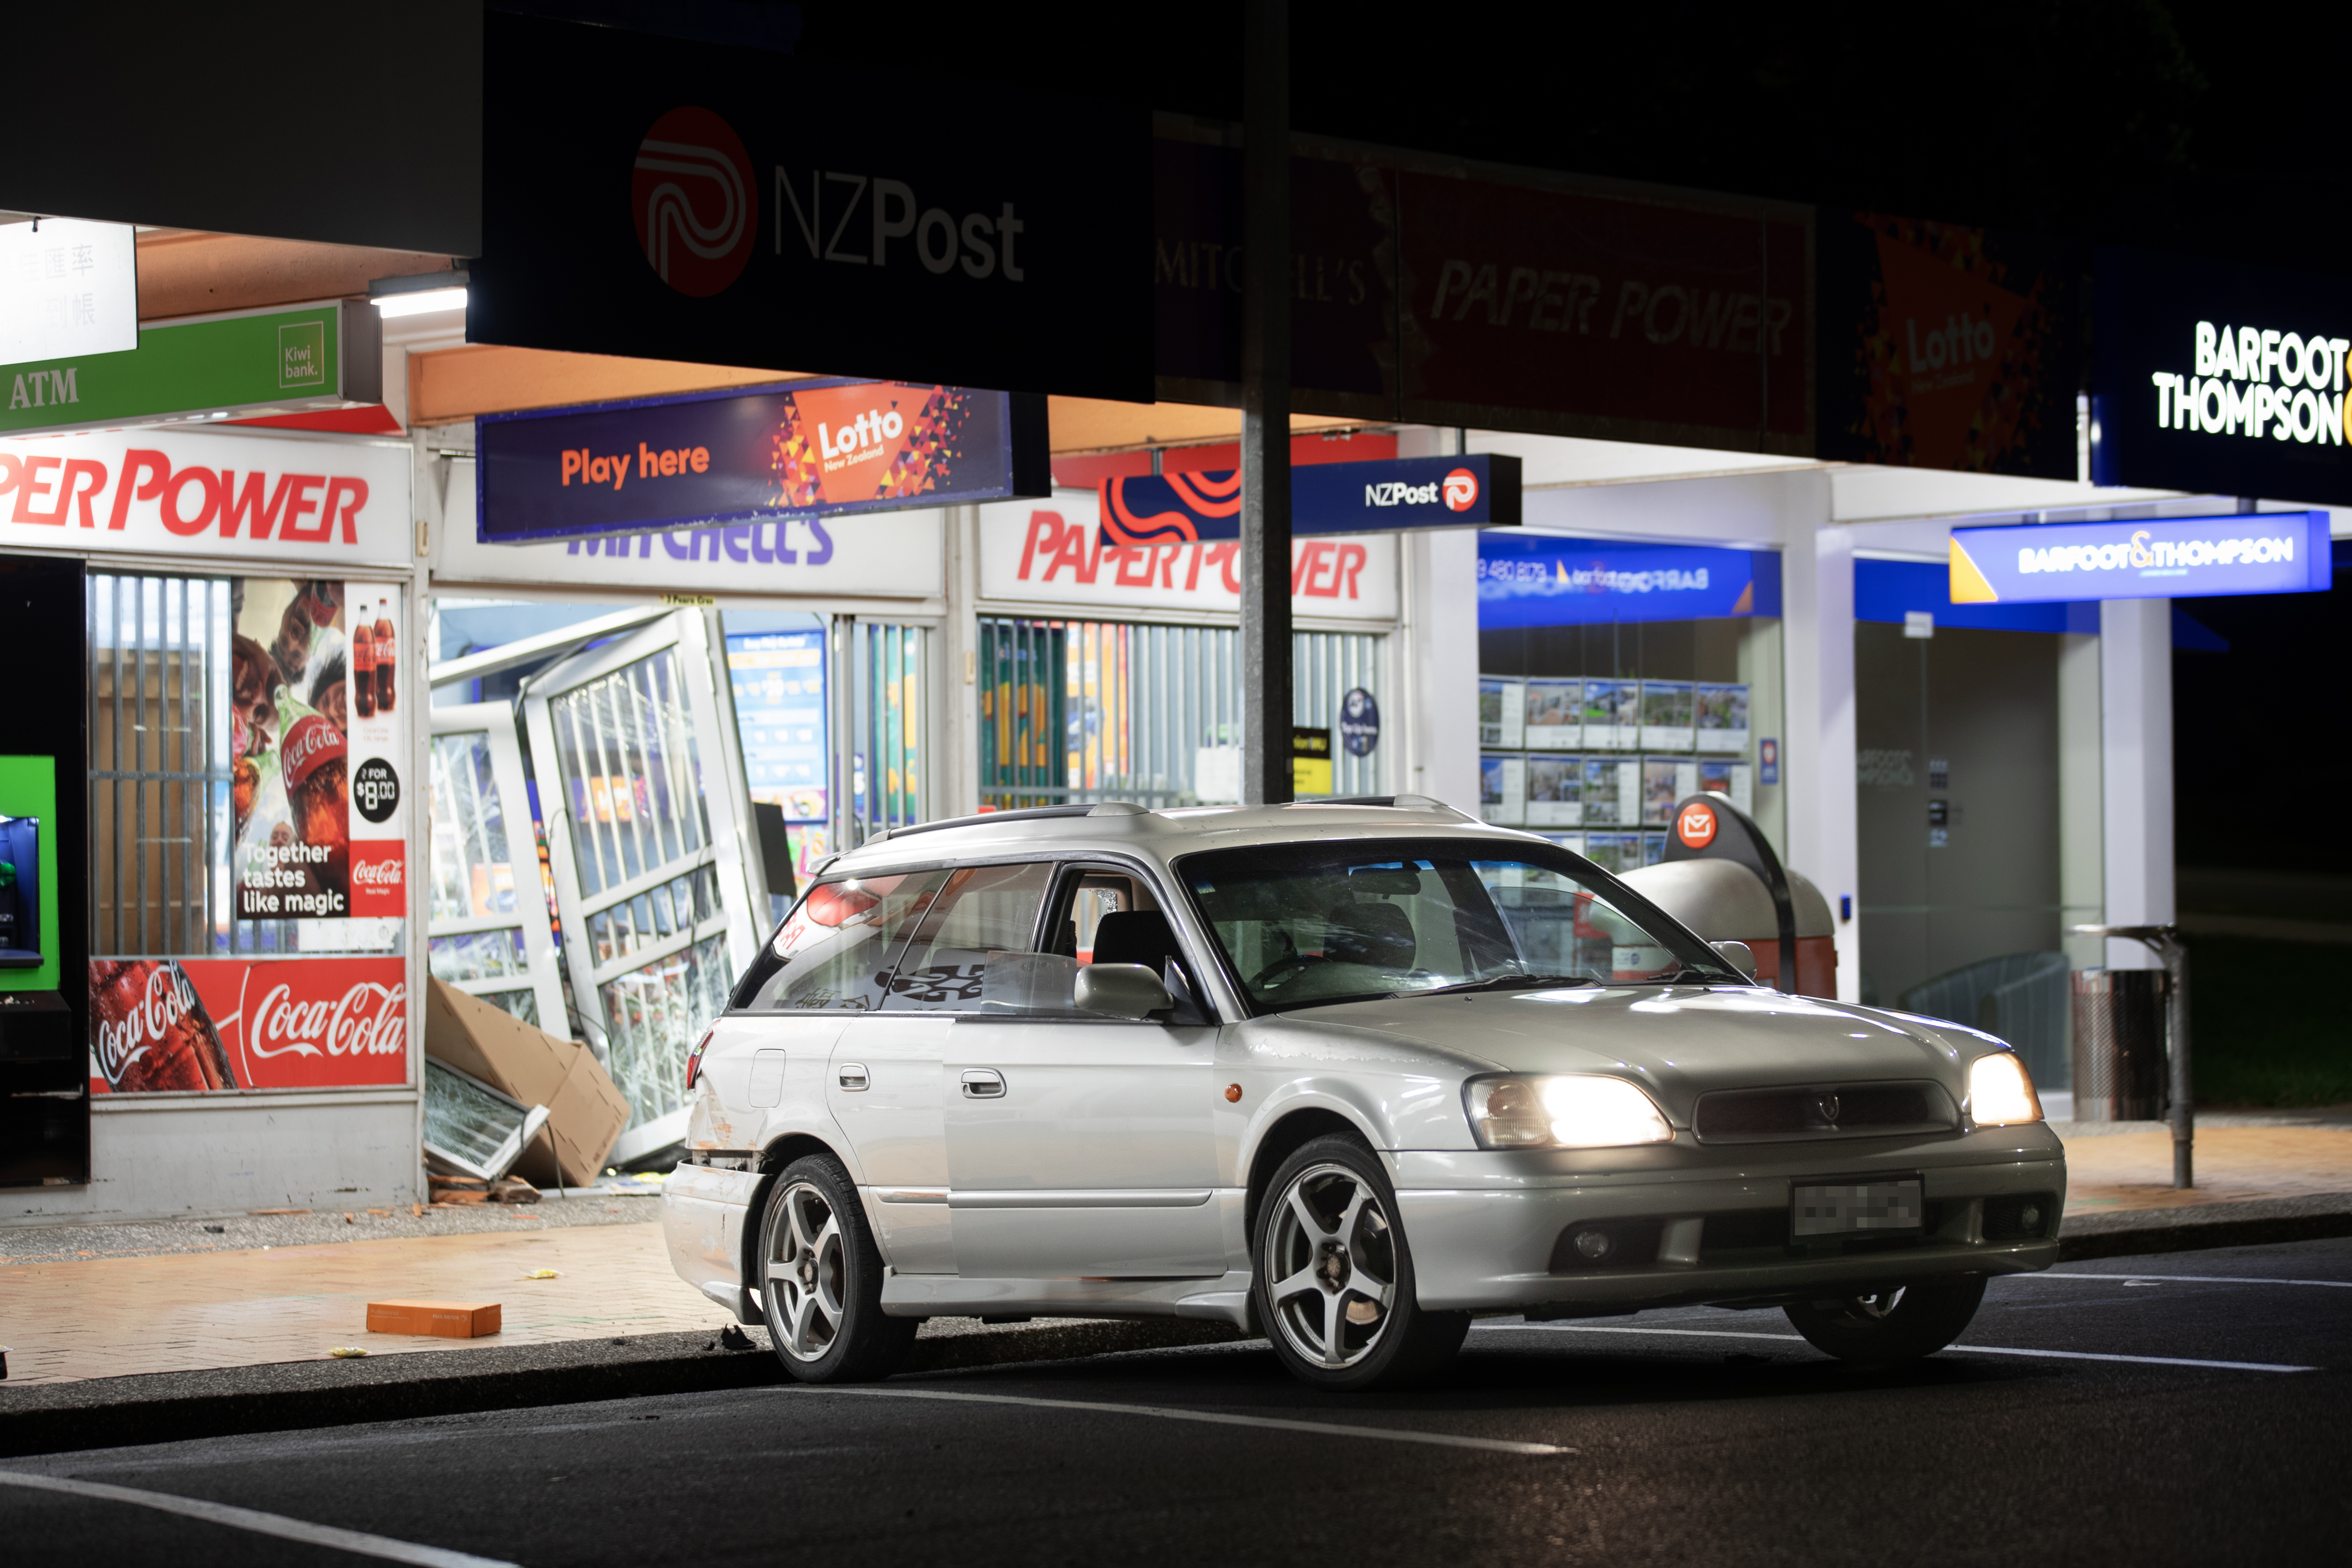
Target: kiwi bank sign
{"x":660,"y":197}
{"x":2220,"y":378}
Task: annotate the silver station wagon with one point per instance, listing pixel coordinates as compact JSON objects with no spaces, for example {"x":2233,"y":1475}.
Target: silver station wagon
{"x":1347,"y":1074}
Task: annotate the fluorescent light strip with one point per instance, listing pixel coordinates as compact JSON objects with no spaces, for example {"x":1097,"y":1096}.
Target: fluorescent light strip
{"x":421,"y":301}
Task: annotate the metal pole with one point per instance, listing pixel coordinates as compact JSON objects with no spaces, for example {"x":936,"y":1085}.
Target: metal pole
{"x":2184,"y":1111}
{"x":1265,"y":403}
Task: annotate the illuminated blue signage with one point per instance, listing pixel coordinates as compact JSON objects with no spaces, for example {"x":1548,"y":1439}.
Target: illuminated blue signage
{"x":1533,"y":579}
{"x":1395,"y":495}
{"x":2146,"y":558}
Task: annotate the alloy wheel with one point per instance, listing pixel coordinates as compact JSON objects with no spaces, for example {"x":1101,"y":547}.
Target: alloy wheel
{"x":1334,"y":1255}
{"x":808,"y":1273}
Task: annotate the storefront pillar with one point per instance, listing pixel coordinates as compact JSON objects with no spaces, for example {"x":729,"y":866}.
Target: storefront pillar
{"x":958,"y":701}
{"x":2136,"y":732}
{"x":1823,"y":818}
{"x":1440,"y":665}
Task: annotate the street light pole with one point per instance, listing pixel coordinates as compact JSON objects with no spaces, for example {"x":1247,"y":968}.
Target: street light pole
{"x":1265,"y":403}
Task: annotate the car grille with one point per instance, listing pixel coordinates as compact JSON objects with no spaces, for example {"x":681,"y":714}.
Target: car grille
{"x":1822,"y":1110}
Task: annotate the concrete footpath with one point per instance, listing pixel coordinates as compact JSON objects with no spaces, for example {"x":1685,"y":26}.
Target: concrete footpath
{"x":132,"y":1333}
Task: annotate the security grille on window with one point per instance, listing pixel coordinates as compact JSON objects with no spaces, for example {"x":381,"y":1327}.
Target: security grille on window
{"x":1085,"y":711}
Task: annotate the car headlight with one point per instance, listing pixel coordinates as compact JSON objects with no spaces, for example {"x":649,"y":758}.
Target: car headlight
{"x":2001,"y":1091}
{"x":1561,"y":1113}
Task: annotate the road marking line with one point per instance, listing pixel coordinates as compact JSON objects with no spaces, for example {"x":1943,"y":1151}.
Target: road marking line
{"x":1216,"y":1418}
{"x":1978,"y":1350}
{"x":2189,"y":1279}
{"x":258,"y":1522}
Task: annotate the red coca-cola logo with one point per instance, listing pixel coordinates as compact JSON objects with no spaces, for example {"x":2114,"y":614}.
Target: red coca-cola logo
{"x":310,"y":741}
{"x":367,"y":1019}
{"x":379,"y":877}
{"x":165,"y":1000}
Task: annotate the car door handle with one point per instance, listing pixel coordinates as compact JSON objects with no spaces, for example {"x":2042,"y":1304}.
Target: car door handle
{"x":983,"y":1083}
{"x":852,"y":1076}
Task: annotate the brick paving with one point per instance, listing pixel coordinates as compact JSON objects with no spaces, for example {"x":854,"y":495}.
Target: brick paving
{"x":2134,"y":1170}
{"x":111,"y":1317}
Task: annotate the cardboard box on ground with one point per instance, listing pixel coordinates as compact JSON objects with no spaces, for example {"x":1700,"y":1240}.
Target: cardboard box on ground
{"x":586,"y":1111}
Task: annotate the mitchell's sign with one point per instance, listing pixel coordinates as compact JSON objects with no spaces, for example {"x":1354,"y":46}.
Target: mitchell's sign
{"x":2177,"y":557}
{"x":2220,"y":378}
{"x":651,"y":195}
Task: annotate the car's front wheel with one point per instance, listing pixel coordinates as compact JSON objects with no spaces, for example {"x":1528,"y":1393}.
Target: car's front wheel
{"x":1335,"y":1280}
{"x":821,"y":1287}
{"x":1883,"y":1327}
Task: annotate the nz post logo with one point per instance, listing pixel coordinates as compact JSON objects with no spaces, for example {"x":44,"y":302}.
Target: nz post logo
{"x":1461,"y":491}
{"x":695,"y":204}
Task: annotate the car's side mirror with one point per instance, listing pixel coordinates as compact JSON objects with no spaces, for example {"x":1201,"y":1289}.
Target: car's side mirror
{"x":1121,"y":990}
{"x":1737,"y":954}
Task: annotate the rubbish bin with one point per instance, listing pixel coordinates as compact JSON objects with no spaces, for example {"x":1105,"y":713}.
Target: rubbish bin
{"x":2119,"y":1048}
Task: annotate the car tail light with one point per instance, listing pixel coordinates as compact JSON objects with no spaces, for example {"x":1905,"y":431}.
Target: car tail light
{"x":694,"y":1057}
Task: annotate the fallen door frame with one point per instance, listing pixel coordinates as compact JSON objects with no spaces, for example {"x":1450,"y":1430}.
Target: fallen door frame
{"x":496,"y":722}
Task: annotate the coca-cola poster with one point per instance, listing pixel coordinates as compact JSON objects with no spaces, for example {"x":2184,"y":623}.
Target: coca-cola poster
{"x":319,"y":730}
{"x":161,"y":1024}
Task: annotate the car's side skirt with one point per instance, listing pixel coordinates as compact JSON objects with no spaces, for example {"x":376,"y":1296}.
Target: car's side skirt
{"x":1224,"y":1297}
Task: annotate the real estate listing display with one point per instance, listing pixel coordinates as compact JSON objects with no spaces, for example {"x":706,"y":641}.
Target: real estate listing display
{"x":1684,"y":736}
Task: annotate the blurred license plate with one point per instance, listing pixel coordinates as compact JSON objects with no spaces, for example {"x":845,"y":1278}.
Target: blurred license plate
{"x":1849,"y":1208}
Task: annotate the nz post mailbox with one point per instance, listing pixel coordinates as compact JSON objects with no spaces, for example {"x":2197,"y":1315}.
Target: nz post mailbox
{"x":1722,"y":879}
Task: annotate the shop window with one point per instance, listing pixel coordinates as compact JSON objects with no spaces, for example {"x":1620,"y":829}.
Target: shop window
{"x":1085,"y":711}
{"x":196,"y":686}
{"x":1589,"y":733}
{"x":890,"y":719}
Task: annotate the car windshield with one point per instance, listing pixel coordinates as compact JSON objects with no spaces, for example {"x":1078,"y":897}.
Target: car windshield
{"x":1307,"y":924}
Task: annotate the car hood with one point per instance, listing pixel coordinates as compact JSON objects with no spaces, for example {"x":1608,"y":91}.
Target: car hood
{"x":1677,"y":1042}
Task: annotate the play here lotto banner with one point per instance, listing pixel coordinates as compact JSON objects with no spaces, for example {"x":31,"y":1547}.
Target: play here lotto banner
{"x":2147,"y":558}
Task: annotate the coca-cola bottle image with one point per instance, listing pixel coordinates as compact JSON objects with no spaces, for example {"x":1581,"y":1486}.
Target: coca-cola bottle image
{"x":153,"y":1030}
{"x":385,"y":664}
{"x":318,"y":790}
{"x":363,"y":667}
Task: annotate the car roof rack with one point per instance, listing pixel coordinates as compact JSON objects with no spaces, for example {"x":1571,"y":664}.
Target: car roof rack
{"x":1024,"y":813}
{"x":1401,"y":802}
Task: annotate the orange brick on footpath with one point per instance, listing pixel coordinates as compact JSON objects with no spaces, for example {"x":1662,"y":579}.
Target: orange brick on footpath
{"x":443,"y":1320}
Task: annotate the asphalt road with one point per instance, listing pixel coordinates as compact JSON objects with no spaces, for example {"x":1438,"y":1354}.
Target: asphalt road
{"x":2180,"y":1408}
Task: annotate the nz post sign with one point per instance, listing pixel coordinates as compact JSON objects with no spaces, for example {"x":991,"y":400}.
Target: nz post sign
{"x":806,"y":450}
{"x":1399,"y":495}
{"x":2152,"y":558}
{"x":1539,"y":580}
